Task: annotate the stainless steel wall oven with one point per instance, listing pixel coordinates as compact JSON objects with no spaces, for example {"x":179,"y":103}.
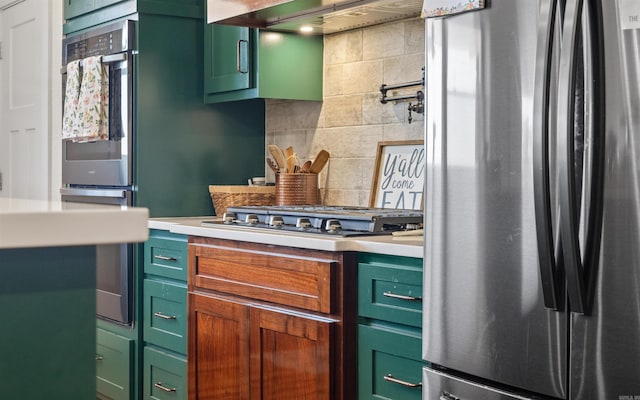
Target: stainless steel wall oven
{"x":101,"y":171}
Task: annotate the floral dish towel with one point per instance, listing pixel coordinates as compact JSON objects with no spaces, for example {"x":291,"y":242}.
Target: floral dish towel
{"x":71,"y":96}
{"x":93,"y":107}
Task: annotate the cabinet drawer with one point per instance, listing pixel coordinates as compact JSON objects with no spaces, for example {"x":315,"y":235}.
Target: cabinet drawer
{"x":165,"y":315}
{"x":165,"y":375}
{"x":165,"y":254}
{"x":287,"y":279}
{"x":113,"y":365}
{"x":390,"y":293}
{"x":390,"y":364}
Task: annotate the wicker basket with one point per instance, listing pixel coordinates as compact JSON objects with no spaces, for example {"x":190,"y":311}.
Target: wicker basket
{"x":227,"y":196}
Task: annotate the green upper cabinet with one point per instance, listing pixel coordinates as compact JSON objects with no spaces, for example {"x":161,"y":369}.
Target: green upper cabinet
{"x":244,"y":63}
{"x":227,"y":64}
{"x":84,"y":14}
{"x":76,"y":8}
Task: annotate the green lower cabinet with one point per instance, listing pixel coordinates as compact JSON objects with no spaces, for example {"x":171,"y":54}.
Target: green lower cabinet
{"x":389,"y":364}
{"x":165,"y":375}
{"x":113,"y":366}
{"x":165,"y":314}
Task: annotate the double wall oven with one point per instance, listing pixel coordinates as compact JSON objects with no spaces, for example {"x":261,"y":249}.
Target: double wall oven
{"x":101,"y":171}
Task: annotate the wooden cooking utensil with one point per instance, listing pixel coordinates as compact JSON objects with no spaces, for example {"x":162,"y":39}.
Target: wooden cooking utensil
{"x":319,"y":162}
{"x":278,"y":156}
{"x":291,"y":160}
{"x":305,"y":167}
{"x":272,"y":164}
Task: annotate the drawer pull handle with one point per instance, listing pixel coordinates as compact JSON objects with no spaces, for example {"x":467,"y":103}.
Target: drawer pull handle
{"x":401,"y":296}
{"x":390,"y":378}
{"x":161,"y":315}
{"x":99,"y":358}
{"x":449,"y":396}
{"x":160,"y":386}
{"x":165,"y":258}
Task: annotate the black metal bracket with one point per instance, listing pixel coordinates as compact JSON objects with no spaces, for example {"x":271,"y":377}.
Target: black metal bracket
{"x":419,"y":95}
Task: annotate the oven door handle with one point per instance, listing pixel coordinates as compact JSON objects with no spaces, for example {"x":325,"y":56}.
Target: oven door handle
{"x":112,"y":193}
{"x":111,"y":58}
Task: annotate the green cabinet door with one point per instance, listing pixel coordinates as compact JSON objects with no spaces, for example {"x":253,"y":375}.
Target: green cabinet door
{"x":244,"y":63}
{"x":390,"y":365}
{"x":227,"y":53}
{"x":73,"y":8}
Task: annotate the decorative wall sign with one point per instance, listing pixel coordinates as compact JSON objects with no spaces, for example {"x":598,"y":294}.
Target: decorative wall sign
{"x":398,"y":176}
{"x":442,"y":8}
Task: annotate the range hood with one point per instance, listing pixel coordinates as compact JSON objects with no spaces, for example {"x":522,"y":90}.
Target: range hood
{"x":318,"y":16}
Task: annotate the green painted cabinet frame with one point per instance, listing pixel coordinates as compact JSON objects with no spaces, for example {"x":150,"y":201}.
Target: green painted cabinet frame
{"x":391,"y":363}
{"x":246,"y":63}
{"x":389,"y":327}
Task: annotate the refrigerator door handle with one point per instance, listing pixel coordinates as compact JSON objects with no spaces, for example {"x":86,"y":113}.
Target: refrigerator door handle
{"x":582,"y":209}
{"x":549,"y":275}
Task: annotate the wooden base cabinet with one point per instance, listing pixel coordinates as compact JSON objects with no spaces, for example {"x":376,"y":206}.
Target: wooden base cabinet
{"x":243,"y":348}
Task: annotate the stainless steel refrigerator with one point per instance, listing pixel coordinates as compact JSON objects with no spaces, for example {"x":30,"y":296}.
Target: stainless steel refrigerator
{"x":532,"y":202}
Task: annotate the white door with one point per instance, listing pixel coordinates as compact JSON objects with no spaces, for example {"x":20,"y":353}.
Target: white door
{"x":24,"y":96}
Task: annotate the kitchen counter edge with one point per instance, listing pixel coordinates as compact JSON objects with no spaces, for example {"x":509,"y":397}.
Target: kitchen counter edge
{"x":26,"y":223}
{"x":387,"y":244}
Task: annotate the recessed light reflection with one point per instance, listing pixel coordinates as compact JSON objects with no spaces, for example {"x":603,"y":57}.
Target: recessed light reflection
{"x":306,"y":29}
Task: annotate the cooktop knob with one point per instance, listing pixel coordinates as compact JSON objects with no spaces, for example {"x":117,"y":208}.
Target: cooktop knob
{"x":333,"y":226}
{"x":276,"y":221}
{"x":229,"y":217}
{"x":303,"y":223}
{"x":252,"y":219}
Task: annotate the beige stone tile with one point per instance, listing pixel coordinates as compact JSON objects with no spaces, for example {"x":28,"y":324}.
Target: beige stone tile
{"x":362,"y":77}
{"x":383,"y":41}
{"x":333,"y":80}
{"x":348,"y":142}
{"x":414,"y":34}
{"x":343,"y":111}
{"x":343,"y":47}
{"x":413,"y":131}
{"x":374,"y":112}
{"x":288,"y":115}
{"x":404,"y":69}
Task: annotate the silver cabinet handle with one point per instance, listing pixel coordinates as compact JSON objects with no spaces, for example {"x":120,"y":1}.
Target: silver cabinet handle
{"x":160,"y":386}
{"x":401,"y":296}
{"x":239,"y":67}
{"x":165,"y":258}
{"x":99,"y":358}
{"x":161,"y":315}
{"x":390,"y":378}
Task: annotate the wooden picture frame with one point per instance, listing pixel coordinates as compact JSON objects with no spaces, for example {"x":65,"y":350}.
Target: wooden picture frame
{"x":398,"y":175}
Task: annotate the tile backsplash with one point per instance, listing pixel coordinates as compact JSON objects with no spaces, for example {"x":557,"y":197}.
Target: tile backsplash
{"x":351,"y":121}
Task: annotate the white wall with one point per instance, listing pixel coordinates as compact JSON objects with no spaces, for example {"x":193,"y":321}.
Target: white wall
{"x":55,"y":98}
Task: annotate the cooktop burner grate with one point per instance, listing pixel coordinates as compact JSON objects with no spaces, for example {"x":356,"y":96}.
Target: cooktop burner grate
{"x":332,"y":220}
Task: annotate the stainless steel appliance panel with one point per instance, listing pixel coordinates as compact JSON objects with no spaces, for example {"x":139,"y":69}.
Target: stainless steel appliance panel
{"x":605,"y":344}
{"x":484,"y":310}
{"x":440,"y":386}
{"x":114,"y":262}
{"x":104,"y":162}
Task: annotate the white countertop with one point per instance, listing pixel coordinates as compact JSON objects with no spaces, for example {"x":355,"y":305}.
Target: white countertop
{"x":37,"y":223}
{"x":410,"y":246}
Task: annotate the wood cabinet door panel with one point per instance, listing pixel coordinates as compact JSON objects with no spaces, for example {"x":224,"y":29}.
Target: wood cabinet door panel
{"x":290,"y":356}
{"x":297,"y":281}
{"x":218,"y":349}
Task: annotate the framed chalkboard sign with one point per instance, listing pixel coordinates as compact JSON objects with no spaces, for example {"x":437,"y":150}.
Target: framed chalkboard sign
{"x":398,"y":175}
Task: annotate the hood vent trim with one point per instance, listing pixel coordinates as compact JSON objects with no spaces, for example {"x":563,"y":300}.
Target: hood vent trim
{"x":330,"y":16}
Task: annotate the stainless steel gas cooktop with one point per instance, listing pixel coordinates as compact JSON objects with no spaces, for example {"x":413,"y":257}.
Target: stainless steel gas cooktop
{"x":342,"y":221}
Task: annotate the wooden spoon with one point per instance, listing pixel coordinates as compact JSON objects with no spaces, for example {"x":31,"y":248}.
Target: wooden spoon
{"x":278,"y":156}
{"x":319,"y":162}
{"x":305,"y":167}
{"x":291,"y":159}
